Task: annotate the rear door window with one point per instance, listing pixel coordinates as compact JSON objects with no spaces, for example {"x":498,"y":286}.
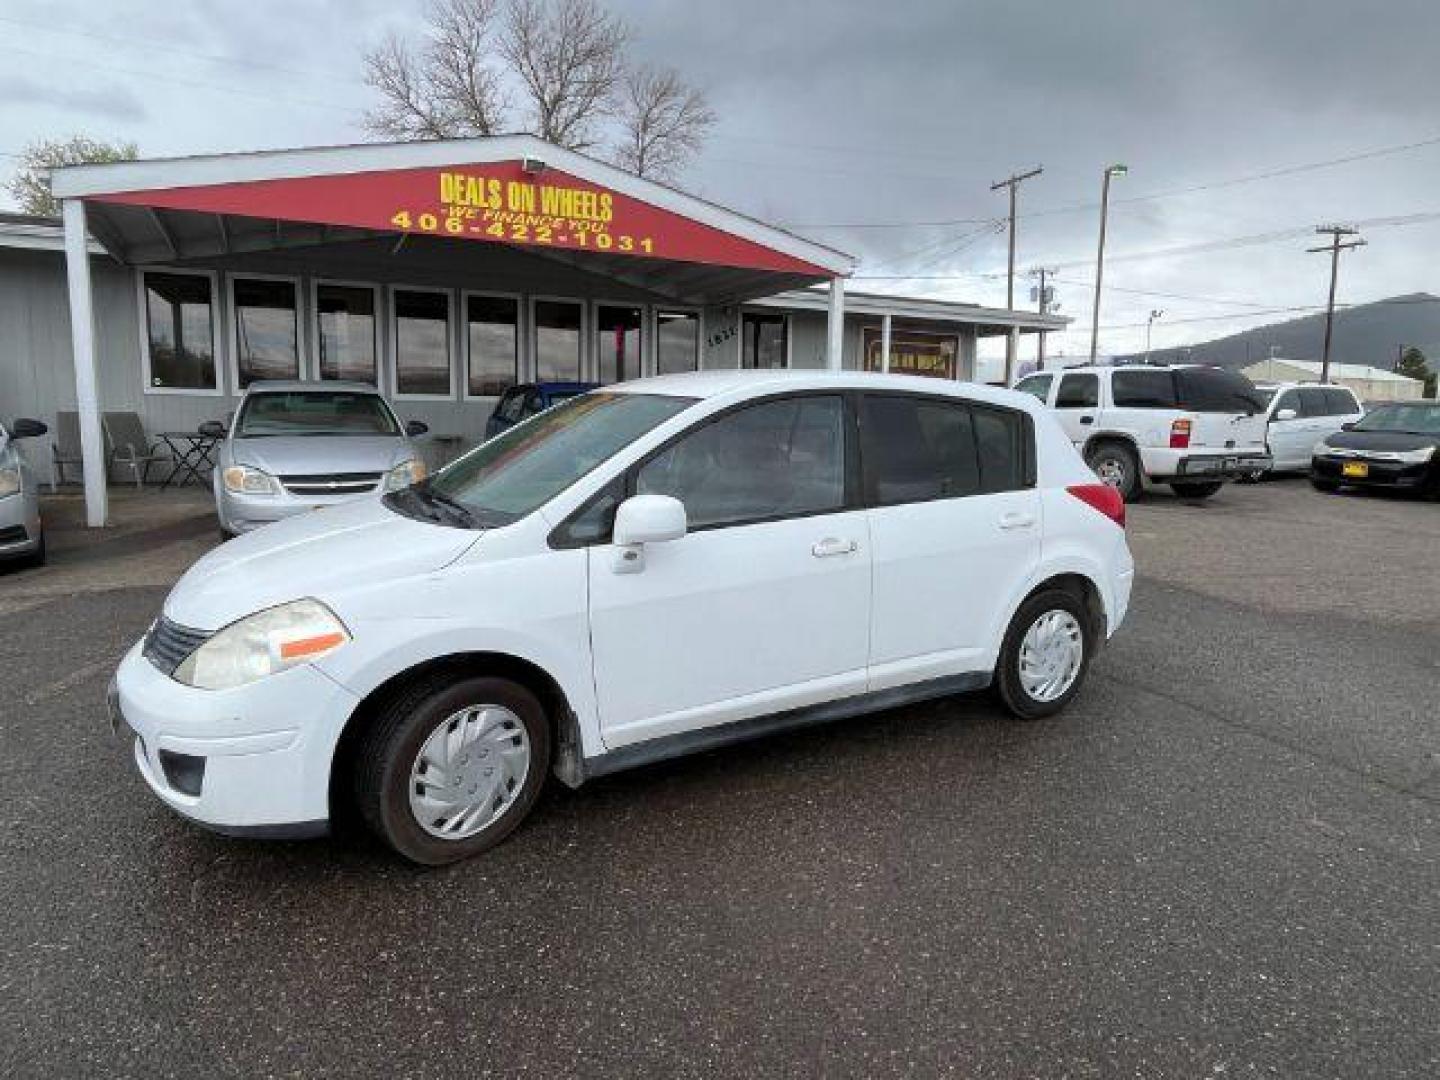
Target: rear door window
{"x":1078,"y":392}
{"x":1143,"y":390}
{"x":1000,"y":447}
{"x":1215,"y":390}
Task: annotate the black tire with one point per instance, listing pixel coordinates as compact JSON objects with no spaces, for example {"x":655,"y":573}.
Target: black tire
{"x":390,"y":746}
{"x":1116,"y":464}
{"x":1320,"y":484}
{"x":1201,"y":490}
{"x":1012,"y":691}
{"x":37,"y":557}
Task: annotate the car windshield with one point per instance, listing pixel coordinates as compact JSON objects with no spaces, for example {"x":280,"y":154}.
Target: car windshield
{"x":315,"y":412}
{"x":502,"y":480}
{"x":1412,"y":419}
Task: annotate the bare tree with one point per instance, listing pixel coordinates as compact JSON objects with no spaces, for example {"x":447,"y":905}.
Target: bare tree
{"x":31,"y":183}
{"x":556,"y":68}
{"x":663,"y":123}
{"x":568,"y":55}
{"x":450,"y":88}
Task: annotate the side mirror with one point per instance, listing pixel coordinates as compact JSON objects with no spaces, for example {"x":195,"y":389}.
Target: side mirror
{"x":25,"y":428}
{"x":415,"y":428}
{"x":641,"y":520}
{"x":1286,"y":414}
{"x":213,"y":428}
{"x":1349,"y":425}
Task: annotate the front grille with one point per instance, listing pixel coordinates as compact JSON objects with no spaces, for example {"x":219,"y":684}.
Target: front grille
{"x":13,"y":534}
{"x":354,"y":483}
{"x":169,"y":643}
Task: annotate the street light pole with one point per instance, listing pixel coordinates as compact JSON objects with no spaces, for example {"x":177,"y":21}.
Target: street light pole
{"x":1012,"y":183}
{"x":1110,"y":171}
{"x":1335,"y":232}
{"x":1155,"y":313}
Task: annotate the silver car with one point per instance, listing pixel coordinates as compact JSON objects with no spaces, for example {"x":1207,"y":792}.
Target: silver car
{"x":297,"y":446}
{"x":22,"y":536}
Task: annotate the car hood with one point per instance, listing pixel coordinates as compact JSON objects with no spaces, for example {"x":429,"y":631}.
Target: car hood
{"x":322,"y":554}
{"x":1389,"y":441}
{"x":310,"y":455}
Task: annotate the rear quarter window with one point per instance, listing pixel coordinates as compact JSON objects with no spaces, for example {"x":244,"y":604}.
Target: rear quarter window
{"x":1143,"y":390}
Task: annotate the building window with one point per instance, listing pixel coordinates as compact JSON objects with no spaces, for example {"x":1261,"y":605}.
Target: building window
{"x":763,"y":340}
{"x":422,"y":343}
{"x":617,"y":342}
{"x":913,"y":352}
{"x":557,"y":340}
{"x":267,"y":329}
{"x":677,"y":341}
{"x":345,"y":330}
{"x":493,"y":343}
{"x":180,"y":331}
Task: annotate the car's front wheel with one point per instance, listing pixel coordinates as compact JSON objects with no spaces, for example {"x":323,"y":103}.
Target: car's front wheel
{"x":451,"y":766}
{"x":1046,"y":654}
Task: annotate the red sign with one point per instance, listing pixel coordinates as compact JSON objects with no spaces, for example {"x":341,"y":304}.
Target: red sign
{"x":498,"y":202}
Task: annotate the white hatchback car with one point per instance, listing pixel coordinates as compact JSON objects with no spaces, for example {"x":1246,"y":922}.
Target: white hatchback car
{"x":1299,"y":415}
{"x":644,"y":571}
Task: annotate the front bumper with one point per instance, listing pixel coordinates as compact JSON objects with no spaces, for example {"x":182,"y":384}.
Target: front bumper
{"x":245,"y":513}
{"x":253,"y":760}
{"x":19,"y":525}
{"x":1379,"y":474}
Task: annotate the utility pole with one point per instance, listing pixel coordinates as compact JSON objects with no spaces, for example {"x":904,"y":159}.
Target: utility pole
{"x":1155,"y":313}
{"x":1110,"y":171}
{"x":1012,"y":183}
{"x":1042,"y":294}
{"x":1335,"y":232}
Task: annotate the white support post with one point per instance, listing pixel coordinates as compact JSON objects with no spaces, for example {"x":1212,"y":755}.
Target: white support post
{"x":82,"y":335}
{"x":835,"y":329}
{"x":885,"y":344}
{"x":1013,"y":353}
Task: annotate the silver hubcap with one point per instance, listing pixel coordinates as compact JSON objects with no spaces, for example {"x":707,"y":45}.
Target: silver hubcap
{"x":1111,"y":471}
{"x":1051,"y":654}
{"x":469,"y":772}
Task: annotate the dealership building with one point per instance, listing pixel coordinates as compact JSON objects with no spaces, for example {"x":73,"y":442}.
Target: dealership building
{"x":441,"y":272}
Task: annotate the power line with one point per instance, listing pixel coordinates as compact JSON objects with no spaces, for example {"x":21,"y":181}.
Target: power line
{"x":180,"y":81}
{"x":152,"y":43}
{"x":1212,"y":185}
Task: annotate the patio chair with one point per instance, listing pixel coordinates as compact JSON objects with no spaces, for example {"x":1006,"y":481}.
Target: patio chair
{"x":64,"y":447}
{"x":129,"y":447}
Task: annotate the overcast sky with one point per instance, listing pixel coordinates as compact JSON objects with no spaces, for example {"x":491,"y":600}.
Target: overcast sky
{"x":841,"y":114}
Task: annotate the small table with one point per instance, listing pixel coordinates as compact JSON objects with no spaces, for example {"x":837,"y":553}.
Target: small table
{"x":192,"y":452}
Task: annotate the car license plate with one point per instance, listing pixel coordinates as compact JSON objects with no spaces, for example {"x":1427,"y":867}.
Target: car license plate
{"x":1355,"y":468}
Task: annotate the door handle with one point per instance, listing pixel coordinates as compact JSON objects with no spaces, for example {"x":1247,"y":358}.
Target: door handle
{"x":1016,"y":521}
{"x":1087,"y":419}
{"x":832,"y":545}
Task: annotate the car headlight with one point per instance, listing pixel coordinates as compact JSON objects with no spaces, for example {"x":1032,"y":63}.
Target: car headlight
{"x":248,"y":480}
{"x":9,"y":480}
{"x":405,"y":474}
{"x":1415,"y":457}
{"x":262,"y":644}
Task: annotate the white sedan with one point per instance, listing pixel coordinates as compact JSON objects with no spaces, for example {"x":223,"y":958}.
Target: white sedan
{"x":644,"y":571}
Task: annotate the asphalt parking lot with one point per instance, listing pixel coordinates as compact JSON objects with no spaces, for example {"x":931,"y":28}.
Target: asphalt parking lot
{"x":1224,"y":860}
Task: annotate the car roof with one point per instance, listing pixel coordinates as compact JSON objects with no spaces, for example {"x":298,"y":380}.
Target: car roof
{"x":742,"y":384}
{"x":293,"y":385}
{"x":560,"y":387}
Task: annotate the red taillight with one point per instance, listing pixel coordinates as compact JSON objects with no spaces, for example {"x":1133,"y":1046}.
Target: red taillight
{"x":1102,"y":497}
{"x":1180,"y":435}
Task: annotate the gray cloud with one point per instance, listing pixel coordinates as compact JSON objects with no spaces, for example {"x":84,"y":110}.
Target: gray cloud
{"x":108,"y":103}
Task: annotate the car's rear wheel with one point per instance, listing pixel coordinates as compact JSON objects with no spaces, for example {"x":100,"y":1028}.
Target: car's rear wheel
{"x":1202,"y":490}
{"x":1320,"y":484}
{"x":451,"y":766}
{"x":1046,"y":654}
{"x":1116,"y":465}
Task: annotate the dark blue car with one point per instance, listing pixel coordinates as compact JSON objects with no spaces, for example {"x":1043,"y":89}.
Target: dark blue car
{"x":524,"y":400}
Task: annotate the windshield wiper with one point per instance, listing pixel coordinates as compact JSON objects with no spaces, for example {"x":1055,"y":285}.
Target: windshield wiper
{"x":438,"y":500}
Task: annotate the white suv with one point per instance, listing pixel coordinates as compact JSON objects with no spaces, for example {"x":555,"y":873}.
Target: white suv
{"x":1187,"y":426}
{"x":640,"y":572}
